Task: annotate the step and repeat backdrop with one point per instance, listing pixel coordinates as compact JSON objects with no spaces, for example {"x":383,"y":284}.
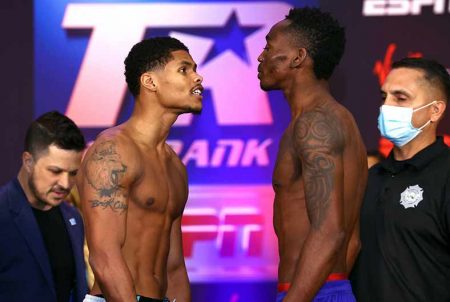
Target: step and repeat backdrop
{"x":229,"y":150}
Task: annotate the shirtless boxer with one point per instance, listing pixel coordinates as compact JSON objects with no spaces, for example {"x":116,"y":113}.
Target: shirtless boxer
{"x":133,"y":186}
{"x":321,"y":169}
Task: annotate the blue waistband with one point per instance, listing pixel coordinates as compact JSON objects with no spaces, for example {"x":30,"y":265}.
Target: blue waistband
{"x":333,"y":287}
{"x":331,"y":291}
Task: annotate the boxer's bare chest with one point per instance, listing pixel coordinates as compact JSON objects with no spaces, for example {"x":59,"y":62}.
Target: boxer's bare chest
{"x":161,"y":185}
{"x":288,"y":169}
{"x":289,"y":204}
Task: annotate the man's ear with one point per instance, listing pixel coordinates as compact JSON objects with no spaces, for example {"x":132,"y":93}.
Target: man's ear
{"x":438,"y":110}
{"x":27,"y":161}
{"x":148,"y":81}
{"x":300,"y":57}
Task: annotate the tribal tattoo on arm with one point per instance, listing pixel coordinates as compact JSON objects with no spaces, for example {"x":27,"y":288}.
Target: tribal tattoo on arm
{"x":318,"y":140}
{"x":105,"y":171}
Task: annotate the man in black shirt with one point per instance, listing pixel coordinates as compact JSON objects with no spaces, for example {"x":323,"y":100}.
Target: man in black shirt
{"x":405,"y":217}
{"x":41,"y":237}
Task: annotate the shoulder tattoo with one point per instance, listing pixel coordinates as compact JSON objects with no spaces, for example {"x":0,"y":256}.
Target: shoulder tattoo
{"x":105,"y":170}
{"x":318,"y":141}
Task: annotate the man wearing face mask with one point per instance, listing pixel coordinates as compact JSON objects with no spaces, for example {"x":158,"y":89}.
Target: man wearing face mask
{"x":405,"y":217}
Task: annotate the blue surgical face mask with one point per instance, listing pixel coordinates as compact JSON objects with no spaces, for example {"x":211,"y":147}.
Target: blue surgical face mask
{"x":395,"y":124}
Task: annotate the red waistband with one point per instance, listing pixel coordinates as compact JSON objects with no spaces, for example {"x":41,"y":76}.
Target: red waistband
{"x":284,"y":287}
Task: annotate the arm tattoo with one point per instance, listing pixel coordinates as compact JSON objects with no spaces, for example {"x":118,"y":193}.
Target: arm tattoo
{"x":105,"y":171}
{"x":318,"y":138}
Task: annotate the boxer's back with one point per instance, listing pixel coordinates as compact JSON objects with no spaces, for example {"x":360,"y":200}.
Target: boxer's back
{"x":337,"y":160}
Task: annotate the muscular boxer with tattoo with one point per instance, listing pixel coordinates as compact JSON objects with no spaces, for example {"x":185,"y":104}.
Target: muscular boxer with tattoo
{"x":133,"y":186}
{"x":321,"y":169}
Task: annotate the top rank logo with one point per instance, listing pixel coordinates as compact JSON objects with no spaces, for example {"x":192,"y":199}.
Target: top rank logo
{"x":403,"y":7}
{"x":230,"y":77}
{"x":237,"y":128}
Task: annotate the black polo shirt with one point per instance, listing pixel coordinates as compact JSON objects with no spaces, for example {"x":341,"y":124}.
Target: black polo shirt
{"x":405,"y":230}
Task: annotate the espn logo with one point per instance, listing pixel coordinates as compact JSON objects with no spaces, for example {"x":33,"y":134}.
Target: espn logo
{"x":403,"y":7}
{"x":224,"y":227}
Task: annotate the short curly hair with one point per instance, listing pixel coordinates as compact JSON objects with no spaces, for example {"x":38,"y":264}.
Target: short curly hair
{"x":148,"y":55}
{"x":323,"y":36}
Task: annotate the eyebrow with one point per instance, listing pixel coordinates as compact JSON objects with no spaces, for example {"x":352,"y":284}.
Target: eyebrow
{"x":187,"y":63}
{"x":61,"y":169}
{"x":400,"y":91}
{"x":397,"y":92}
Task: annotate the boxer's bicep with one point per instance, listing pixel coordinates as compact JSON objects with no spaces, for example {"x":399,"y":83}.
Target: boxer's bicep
{"x":105,"y":194}
{"x":104,"y":189}
{"x":320,"y":146}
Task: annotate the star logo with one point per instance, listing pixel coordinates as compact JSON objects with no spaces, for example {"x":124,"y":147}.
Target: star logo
{"x":231,"y":36}
{"x":411,"y":197}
